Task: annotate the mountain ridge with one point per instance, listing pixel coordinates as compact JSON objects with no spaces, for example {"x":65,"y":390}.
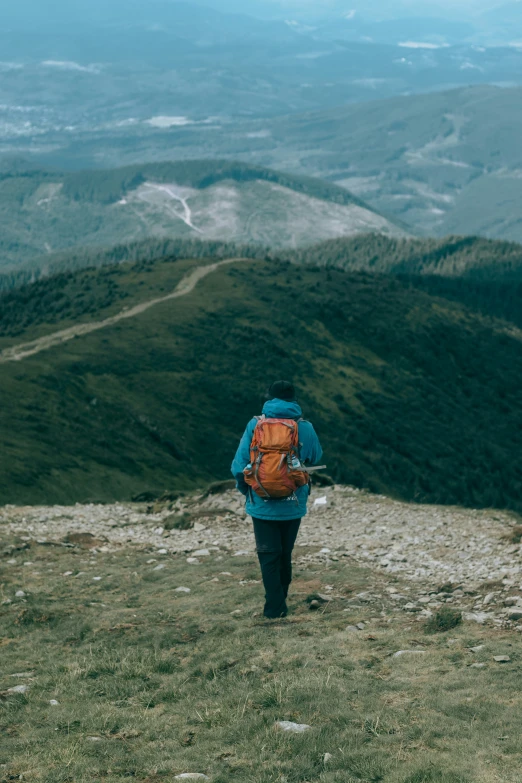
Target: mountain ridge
{"x":413,"y":394}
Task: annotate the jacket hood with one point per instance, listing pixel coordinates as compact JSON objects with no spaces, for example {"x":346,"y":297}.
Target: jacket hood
{"x":282,"y":409}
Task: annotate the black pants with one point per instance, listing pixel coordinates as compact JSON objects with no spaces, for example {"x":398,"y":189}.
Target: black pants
{"x":274,"y":543}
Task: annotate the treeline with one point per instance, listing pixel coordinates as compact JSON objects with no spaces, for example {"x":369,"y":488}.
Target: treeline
{"x":147,"y":250}
{"x":109,"y":186}
{"x":469,"y":257}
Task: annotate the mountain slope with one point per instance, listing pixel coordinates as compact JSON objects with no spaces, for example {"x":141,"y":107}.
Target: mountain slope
{"x":411,"y":394}
{"x":44,"y":212}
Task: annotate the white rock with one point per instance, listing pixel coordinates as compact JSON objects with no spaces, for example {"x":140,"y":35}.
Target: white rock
{"x":54,"y":703}
{"x":327,"y":757}
{"x":477,"y":649}
{"x":67,"y":573}
{"x":325,"y":551}
{"x":199,"y":527}
{"x":19,"y":594}
{"x":94,"y":739}
{"x":322,"y":501}
{"x":501,"y":658}
{"x":201,"y":553}
{"x":192,"y":560}
{"x":11,"y":562}
{"x":23,"y":674}
{"x":400,"y":653}
{"x":488,"y":598}
{"x":351,"y":628}
{"x":163,"y":551}
{"x":151,"y":561}
{"x":241,"y":553}
{"x":182,"y":590}
{"x":477,"y":665}
{"x":158,"y":531}
{"x":476,"y":617}
{"x":96,"y":578}
{"x":191,"y":776}
{"x":18,"y":689}
{"x":295,"y":728}
{"x":159,"y":567}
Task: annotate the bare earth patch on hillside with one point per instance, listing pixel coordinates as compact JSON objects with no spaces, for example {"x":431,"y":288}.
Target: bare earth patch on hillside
{"x":133,"y":646}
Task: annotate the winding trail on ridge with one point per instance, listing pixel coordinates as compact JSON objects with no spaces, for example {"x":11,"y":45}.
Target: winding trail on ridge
{"x":16,"y":353}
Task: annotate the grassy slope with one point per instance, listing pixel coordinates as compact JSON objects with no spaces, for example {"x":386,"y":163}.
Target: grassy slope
{"x":411,"y":395}
{"x":171,"y":683}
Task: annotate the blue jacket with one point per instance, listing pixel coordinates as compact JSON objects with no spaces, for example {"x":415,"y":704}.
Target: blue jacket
{"x":310,"y":453}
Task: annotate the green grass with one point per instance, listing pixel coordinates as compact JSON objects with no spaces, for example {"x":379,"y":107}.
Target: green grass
{"x":170,"y":683}
{"x":412,"y":395}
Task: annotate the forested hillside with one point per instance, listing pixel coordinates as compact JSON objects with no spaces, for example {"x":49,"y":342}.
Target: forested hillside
{"x":47,"y":212}
{"x":412,"y":394}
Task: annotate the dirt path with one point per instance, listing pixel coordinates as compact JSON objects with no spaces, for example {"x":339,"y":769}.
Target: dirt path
{"x":22,"y":351}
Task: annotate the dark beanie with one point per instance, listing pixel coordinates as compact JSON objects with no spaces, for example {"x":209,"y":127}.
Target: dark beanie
{"x":283,"y":390}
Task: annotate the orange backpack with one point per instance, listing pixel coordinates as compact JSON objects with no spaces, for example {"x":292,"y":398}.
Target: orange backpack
{"x":275,"y":470}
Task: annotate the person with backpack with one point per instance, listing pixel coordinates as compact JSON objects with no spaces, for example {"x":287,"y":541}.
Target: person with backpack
{"x":270,"y":470}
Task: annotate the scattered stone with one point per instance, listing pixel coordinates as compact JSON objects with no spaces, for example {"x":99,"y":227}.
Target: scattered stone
{"x":11,"y":562}
{"x":19,"y":594}
{"x":159,"y":567}
{"x":315,"y":604}
{"x":476,"y":617}
{"x":54,"y":703}
{"x":511,"y":600}
{"x":225,"y":573}
{"x":201,"y":553}
{"x":163,"y":551}
{"x":327,"y":757}
{"x":322,"y":501}
{"x":324,"y":598}
{"x":18,"y":689}
{"x":94,"y":739}
{"x":294,"y":728}
{"x":23,"y":674}
{"x":400,"y":653}
{"x":236,"y":611}
{"x":96,"y":578}
{"x":361,"y":626}
{"x":502,"y":658}
{"x":477,"y":649}
{"x":477,"y":665}
{"x":241,"y":553}
{"x":425,"y":599}
{"x":182,"y":590}
{"x":192,"y":560}
{"x":151,"y":561}
{"x":488,"y":598}
{"x":351,"y":628}
{"x":191,"y":776}
{"x":199,"y":527}
{"x":325,"y":551}
{"x":67,"y":573}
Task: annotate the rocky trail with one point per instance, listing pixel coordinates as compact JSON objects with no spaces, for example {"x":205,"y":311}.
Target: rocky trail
{"x":420,"y":557}
{"x":22,"y":351}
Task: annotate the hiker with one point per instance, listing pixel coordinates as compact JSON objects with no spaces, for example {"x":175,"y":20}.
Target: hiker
{"x":268,"y":468}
